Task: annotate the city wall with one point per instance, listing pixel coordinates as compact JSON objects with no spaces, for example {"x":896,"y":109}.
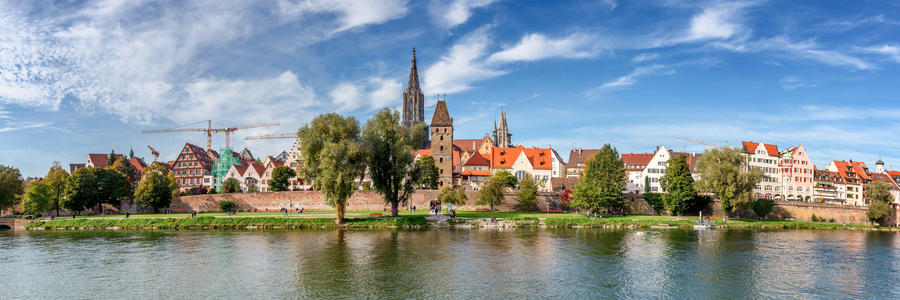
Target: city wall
{"x":371,"y":200}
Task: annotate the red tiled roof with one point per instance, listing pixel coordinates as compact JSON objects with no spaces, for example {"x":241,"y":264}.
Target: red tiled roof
{"x":260,"y":169}
{"x":468,"y":145}
{"x":503,"y":158}
{"x":138,"y":163}
{"x":885,"y":178}
{"x":240,"y":169}
{"x":477,"y":160}
{"x":577,"y":156}
{"x":477,"y":172}
{"x":101,"y":160}
{"x":637,"y":159}
{"x":772,"y":150}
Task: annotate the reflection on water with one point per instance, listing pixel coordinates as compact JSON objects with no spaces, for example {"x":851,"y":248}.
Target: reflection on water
{"x":451,"y":264}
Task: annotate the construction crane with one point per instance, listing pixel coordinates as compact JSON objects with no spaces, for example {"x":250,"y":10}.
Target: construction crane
{"x":154,"y":152}
{"x":702,"y":142}
{"x":209,"y":131}
{"x":272,"y":136}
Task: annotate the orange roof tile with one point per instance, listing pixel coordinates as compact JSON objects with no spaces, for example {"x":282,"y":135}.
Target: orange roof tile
{"x":772,"y":150}
{"x":503,"y":158}
{"x":477,"y":172}
{"x":637,"y":159}
{"x":477,"y":160}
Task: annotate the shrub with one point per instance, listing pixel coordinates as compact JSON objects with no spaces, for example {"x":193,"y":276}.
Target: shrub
{"x":814,"y":218}
{"x":762,"y":207}
{"x":227,"y":206}
{"x":655,"y":200}
{"x":831,"y":220}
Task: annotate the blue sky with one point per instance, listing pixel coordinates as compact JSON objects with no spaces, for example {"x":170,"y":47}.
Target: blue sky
{"x":87,"y":77}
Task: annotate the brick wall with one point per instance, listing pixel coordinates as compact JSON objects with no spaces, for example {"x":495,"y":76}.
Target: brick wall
{"x":803,"y":211}
{"x":361,"y":200}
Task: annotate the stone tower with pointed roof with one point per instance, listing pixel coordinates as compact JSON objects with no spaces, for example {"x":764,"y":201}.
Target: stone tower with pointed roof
{"x":502,"y":136}
{"x":413,"y":99}
{"x":442,"y":143}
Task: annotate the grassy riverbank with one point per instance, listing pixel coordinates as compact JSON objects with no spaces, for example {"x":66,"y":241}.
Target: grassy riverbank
{"x":363,"y":219}
{"x":211,"y":222}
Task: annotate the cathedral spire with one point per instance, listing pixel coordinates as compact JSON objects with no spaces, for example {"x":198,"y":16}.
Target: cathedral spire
{"x":504,"y":137}
{"x":413,"y":99}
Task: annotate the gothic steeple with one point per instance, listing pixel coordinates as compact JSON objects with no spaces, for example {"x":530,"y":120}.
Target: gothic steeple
{"x":413,"y":99}
{"x":503,"y":136}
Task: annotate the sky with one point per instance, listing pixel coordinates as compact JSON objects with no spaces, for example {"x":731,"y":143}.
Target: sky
{"x":79,"y":77}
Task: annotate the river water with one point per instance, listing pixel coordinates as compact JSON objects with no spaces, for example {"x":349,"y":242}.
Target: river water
{"x":446,"y":263}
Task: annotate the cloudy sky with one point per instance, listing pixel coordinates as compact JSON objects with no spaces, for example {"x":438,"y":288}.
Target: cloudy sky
{"x":86,"y":77}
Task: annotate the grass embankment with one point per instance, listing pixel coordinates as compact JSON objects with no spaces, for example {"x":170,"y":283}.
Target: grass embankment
{"x":209,"y":222}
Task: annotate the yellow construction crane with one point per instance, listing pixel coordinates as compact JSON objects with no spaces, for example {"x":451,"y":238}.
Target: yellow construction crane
{"x":272,"y":136}
{"x":209,"y":131}
{"x":154,"y":152}
{"x":702,"y":142}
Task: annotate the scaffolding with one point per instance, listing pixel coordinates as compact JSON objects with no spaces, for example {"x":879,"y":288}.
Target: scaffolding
{"x":222,"y":165}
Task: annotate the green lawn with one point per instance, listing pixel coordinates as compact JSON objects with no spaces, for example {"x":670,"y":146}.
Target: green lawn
{"x":225,"y":223}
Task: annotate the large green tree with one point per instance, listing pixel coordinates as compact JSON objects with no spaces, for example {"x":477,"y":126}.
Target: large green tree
{"x":722,"y":174}
{"x":388,"y":148}
{"x":507,"y":178}
{"x":880,"y":209}
{"x":132,"y":175}
{"x":429,"y":173}
{"x":281,"y":177}
{"x":602,"y":183}
{"x":527,"y":193}
{"x":10,"y":186}
{"x":89,"y":187}
{"x":56,"y":181}
{"x":680,"y":197}
{"x":38,"y":197}
{"x":156,"y":188}
{"x":494,"y":188}
{"x":451,"y":195}
{"x":333,"y":157}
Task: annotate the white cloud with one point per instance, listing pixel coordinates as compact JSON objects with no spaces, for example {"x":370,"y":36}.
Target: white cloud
{"x":536,"y":46}
{"x":611,"y":3}
{"x":351,"y":13}
{"x":891,"y":51}
{"x":645,"y":57}
{"x":630,"y":79}
{"x":20,"y":126}
{"x":793,"y":83}
{"x":452,"y":13}
{"x":464,"y":65}
{"x":811,"y":51}
{"x":373,"y":93}
{"x":714,"y":23}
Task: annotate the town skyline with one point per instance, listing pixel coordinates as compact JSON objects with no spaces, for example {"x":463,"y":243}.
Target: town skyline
{"x":717,"y":72}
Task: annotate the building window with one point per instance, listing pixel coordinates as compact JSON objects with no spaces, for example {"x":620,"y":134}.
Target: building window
{"x":520,"y":175}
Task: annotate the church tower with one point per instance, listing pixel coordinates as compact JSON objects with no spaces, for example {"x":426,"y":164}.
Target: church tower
{"x":502,"y":136}
{"x":413,"y":99}
{"x":442,"y":143}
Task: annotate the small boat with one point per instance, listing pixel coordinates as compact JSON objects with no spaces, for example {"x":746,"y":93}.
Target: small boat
{"x":704,"y":223}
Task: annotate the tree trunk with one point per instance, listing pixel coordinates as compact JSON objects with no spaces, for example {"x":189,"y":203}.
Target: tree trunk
{"x":395,"y":208}
{"x":340,"y":213}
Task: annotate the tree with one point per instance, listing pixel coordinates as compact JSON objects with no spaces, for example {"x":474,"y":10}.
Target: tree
{"x":646,"y":184}
{"x":507,"y":178}
{"x":527,"y":193}
{"x":493,"y":190}
{"x":281,"y":178}
{"x":10,"y":186}
{"x":56,"y":182}
{"x":38,"y":197}
{"x":763,"y":207}
{"x":81,"y":189}
{"x":880,"y":204}
{"x":602,"y":183}
{"x":155,"y":188}
{"x":429,"y":173}
{"x":680,"y":197}
{"x":333,"y":157}
{"x":111,"y":158}
{"x":388,"y":148}
{"x":132,"y":175}
{"x":89,"y":187}
{"x":450,"y":195}
{"x":231,"y":185}
{"x":565,"y":198}
{"x":722,"y":175}
{"x":228,"y":206}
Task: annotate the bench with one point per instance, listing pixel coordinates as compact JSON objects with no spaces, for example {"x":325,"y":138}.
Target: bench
{"x":375,"y":214}
{"x":552,"y":211}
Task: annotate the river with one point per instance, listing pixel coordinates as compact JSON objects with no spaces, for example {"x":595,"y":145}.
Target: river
{"x":446,"y":263}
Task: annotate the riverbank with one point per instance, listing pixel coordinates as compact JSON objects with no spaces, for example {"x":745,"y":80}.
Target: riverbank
{"x":363,"y":219}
